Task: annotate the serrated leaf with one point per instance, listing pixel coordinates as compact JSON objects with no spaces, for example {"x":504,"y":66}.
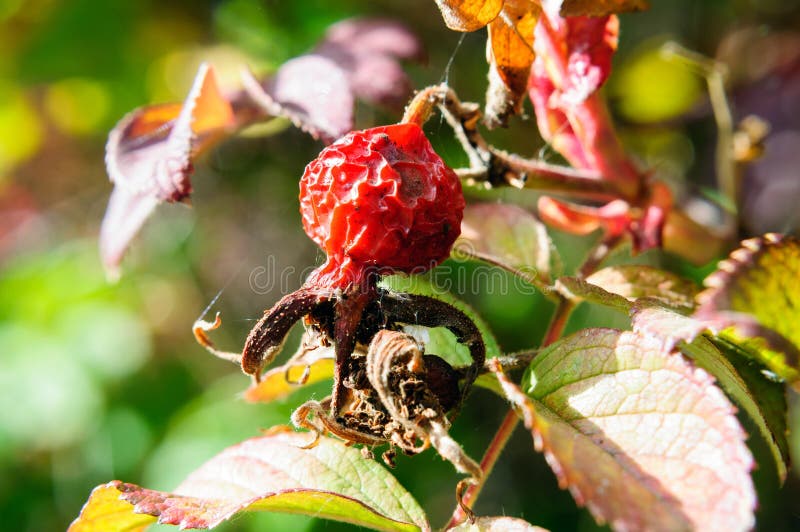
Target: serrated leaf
{"x":469,"y":15}
{"x":416,"y":284}
{"x":496,"y":524}
{"x":760,"y":279}
{"x":105,"y":511}
{"x":595,"y":8}
{"x":507,"y":236}
{"x":577,"y":289}
{"x":634,"y":282}
{"x":639,"y":435}
{"x":269,"y":473}
{"x":742,"y":330}
{"x":763,"y":400}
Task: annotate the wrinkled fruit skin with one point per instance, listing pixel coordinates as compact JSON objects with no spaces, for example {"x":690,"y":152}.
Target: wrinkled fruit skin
{"x":381,"y":198}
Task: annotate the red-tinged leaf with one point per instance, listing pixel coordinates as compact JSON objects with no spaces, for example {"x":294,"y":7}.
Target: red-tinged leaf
{"x":759,"y":278}
{"x":270,"y":473}
{"x":149,"y":159}
{"x":594,"y":8}
{"x":728,"y":362}
{"x":573,"y":59}
{"x":638,"y":434}
{"x":571,"y":218}
{"x":105,"y":511}
{"x":150,"y":150}
{"x":614,"y":217}
{"x":762,"y":399}
{"x":635,"y":282}
{"x":496,"y":524}
{"x":553,"y":123}
{"x":758,"y":342}
{"x":507,"y":236}
{"x":125,"y":215}
{"x":304,"y":368}
{"x":510,"y":56}
{"x":652,"y":319}
{"x":312,"y":91}
{"x":576,"y":55}
{"x":469,"y":15}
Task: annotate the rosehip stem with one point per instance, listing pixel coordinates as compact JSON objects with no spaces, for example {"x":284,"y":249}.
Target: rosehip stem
{"x":555,"y":329}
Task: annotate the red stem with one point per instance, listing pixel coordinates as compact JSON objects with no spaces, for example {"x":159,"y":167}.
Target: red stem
{"x":510,"y":422}
{"x":488,"y":461}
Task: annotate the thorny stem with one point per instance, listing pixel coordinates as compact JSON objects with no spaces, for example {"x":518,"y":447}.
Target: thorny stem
{"x":539,"y":175}
{"x":509,"y":423}
{"x":488,"y":462}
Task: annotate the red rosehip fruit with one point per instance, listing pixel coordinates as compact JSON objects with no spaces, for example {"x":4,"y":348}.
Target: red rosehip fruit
{"x":382,"y":199}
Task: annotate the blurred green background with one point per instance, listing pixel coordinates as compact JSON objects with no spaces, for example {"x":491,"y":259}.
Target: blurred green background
{"x":102,"y":381}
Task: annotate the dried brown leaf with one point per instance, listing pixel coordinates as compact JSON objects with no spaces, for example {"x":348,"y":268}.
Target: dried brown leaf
{"x":469,"y":15}
{"x":510,"y":51}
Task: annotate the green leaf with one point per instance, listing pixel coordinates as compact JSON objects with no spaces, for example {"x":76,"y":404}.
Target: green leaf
{"x":270,"y":473}
{"x":635,"y":282}
{"x":496,"y":524}
{"x":763,"y":400}
{"x":416,"y":284}
{"x":576,"y":289}
{"x":507,"y":236}
{"x":638,"y":434}
{"x":760,"y":279}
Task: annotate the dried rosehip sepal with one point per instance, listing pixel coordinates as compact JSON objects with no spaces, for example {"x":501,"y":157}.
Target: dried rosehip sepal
{"x":380,"y":199}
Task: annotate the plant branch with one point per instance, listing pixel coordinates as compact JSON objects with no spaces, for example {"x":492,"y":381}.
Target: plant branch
{"x":509,"y":423}
{"x":555,"y":329}
{"x":488,"y":462}
{"x":715,"y":74}
{"x":539,"y":175}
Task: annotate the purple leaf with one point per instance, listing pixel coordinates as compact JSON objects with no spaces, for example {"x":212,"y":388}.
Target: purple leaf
{"x":375,"y":36}
{"x":125,"y":215}
{"x":149,"y":159}
{"x":311,"y":91}
{"x":368,"y":51}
